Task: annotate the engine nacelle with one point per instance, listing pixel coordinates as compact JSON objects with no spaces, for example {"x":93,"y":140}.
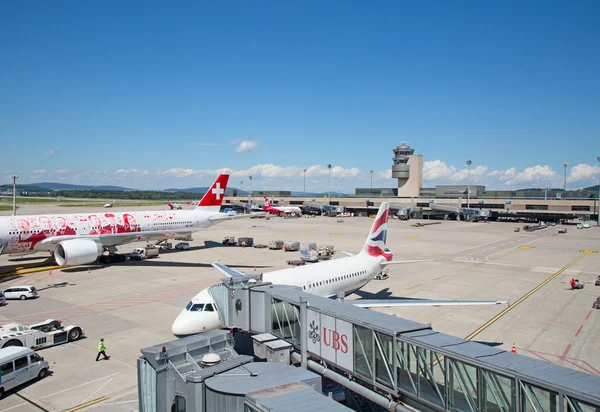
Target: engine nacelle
{"x":76,"y":252}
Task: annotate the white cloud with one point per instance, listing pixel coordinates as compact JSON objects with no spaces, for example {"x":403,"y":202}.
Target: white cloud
{"x":384,"y":174}
{"x":51,"y":152}
{"x":132,"y":173}
{"x":38,"y":172}
{"x":463,"y":175}
{"x":582,"y":172}
{"x":61,"y":171}
{"x":246,"y":145}
{"x":436,"y":169}
{"x":535,"y":175}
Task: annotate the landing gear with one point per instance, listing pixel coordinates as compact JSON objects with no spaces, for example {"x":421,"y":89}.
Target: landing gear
{"x":114,"y":258}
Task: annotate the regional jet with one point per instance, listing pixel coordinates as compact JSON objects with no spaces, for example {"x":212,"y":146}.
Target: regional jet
{"x":109,"y":205}
{"x":327,"y":279}
{"x":81,"y":238}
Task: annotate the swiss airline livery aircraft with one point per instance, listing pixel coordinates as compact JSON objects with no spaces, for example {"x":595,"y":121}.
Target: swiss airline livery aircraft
{"x":277,"y":210}
{"x":80,"y":238}
{"x":327,"y":279}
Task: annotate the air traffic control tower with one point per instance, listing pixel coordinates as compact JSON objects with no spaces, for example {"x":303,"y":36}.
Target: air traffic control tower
{"x":408,"y":169}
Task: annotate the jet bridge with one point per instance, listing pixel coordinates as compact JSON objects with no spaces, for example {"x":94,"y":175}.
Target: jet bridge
{"x":467,"y":213}
{"x":396,"y":362}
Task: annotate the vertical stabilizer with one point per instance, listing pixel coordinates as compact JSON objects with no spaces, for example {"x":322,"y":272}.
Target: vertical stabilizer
{"x":267,"y":203}
{"x":212,"y":200}
{"x":375,"y":244}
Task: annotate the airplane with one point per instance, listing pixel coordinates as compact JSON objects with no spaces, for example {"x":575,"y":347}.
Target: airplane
{"x":81,"y":238}
{"x":176,"y":206}
{"x":278,"y":210}
{"x":107,"y":205}
{"x":328,"y":279}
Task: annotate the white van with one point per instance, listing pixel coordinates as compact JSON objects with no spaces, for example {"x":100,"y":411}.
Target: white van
{"x":20,"y":292}
{"x":19,"y":365}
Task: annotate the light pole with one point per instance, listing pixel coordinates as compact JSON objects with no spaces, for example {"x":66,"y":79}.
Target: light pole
{"x":565,"y":164}
{"x":469,"y":182}
{"x":371,"y":179}
{"x":598,"y":211}
{"x":250,"y":194}
{"x":242,"y":186}
{"x":329,"y":195}
{"x":14,"y":178}
{"x":305,"y":181}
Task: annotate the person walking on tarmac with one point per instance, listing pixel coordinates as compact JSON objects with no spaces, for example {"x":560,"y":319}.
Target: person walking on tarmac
{"x":101,"y":349}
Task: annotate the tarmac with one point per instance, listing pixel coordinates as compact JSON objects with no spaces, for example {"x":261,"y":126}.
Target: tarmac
{"x":133,"y":304}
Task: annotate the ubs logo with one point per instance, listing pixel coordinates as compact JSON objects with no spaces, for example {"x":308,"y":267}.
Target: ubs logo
{"x":335,"y":340}
{"x":313,"y":333}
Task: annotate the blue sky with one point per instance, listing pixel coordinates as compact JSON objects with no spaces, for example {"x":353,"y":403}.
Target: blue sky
{"x":146,"y":95}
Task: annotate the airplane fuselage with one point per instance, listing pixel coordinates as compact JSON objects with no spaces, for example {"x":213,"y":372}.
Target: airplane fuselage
{"x":21,"y":234}
{"x":329,"y":278}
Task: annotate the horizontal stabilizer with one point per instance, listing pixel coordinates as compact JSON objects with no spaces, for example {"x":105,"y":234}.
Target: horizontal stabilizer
{"x":226,"y":270}
{"x":393,"y":303}
{"x":397,"y":262}
{"x":348,"y":254}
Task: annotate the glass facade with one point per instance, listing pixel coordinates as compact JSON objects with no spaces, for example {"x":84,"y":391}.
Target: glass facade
{"x":462,"y":387}
{"x":432,"y":373}
{"x":406,"y":366}
{"x":363,"y":352}
{"x":534,"y":399}
{"x":384,"y":359}
{"x":286,"y":321}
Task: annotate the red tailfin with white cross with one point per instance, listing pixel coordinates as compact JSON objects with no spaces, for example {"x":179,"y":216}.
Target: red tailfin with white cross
{"x":211,"y":202}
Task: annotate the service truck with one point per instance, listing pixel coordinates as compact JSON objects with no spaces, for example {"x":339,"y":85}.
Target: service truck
{"x":141,"y":253}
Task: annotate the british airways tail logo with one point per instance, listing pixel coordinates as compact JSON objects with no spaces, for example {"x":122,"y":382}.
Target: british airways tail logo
{"x":376,"y":244}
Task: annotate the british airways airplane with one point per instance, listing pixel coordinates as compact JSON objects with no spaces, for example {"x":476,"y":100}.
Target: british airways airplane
{"x":81,"y":238}
{"x":327,"y":279}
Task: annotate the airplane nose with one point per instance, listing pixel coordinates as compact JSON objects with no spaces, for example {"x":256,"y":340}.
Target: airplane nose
{"x":187,"y":323}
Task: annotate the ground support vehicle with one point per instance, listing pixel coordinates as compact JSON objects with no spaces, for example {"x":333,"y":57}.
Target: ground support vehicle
{"x":182,"y":246}
{"x":142,"y":253}
{"x":51,"y":332}
{"x":309,"y":255}
{"x":296,"y":262}
{"x":19,"y":366}
{"x":229,"y":241}
{"x":276,"y":244}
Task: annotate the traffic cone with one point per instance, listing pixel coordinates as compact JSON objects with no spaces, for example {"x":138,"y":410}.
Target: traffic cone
{"x":50,"y":272}
{"x":514,"y":349}
{"x":255,"y":268}
{"x":89,"y":271}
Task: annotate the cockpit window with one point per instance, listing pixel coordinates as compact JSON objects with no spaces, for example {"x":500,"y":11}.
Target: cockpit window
{"x":198,"y":307}
{"x":209,"y":308}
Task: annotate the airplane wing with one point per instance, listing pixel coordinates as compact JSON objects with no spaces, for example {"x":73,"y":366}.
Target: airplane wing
{"x":229,"y":217}
{"x":227,"y":271}
{"x":392,"y":303}
{"x":397,"y":262}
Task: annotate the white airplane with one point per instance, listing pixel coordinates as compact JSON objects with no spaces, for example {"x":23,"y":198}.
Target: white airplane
{"x":174,"y":206}
{"x":81,"y":238}
{"x":278,"y":210}
{"x":107,"y":205}
{"x":327,"y":279}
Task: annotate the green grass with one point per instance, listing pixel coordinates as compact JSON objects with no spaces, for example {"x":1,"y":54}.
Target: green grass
{"x":4,"y":208}
{"x":34,"y":200}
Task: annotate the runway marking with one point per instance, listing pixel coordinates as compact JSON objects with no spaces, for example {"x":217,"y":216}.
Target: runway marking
{"x":531,"y":292}
{"x":440,"y":277}
{"x":526,"y":247}
{"x":85,"y":405}
{"x":336,"y":233}
{"x":414,"y":287}
{"x":474,"y":247}
{"x":413,"y":237}
{"x":587,"y":251}
{"x":588,"y":315}
{"x":79,"y":386}
{"x":578,"y":331}
{"x":564,"y":355}
{"x":549,"y":356}
{"x":461,"y":269}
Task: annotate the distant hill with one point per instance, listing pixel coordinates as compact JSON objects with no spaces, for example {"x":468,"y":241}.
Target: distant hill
{"x":189,"y":190}
{"x":66,"y":186}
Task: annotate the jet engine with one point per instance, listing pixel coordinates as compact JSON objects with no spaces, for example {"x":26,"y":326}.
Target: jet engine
{"x":76,"y":252}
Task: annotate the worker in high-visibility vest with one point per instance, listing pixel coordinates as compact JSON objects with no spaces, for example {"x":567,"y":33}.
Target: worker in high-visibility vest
{"x":101,"y":349}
